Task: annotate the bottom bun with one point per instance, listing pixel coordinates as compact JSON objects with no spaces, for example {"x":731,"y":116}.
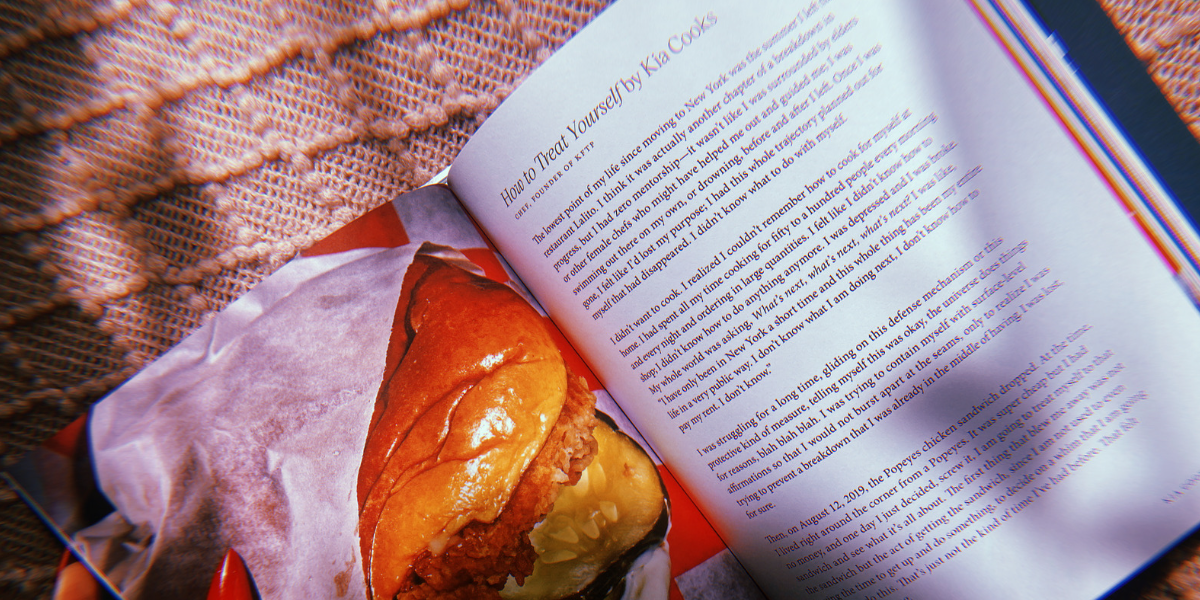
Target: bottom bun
{"x":599,"y":527}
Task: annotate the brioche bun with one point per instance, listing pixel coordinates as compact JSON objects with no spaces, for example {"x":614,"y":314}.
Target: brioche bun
{"x":476,"y":426}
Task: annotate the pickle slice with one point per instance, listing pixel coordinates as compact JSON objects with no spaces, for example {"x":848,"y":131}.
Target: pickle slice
{"x":599,"y":526}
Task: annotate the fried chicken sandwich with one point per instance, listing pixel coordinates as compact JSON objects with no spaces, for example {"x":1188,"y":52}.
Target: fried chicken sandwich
{"x":477,"y":428}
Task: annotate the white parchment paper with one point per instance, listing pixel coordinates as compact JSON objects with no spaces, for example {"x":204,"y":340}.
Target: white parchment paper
{"x":249,"y":433}
{"x":248,"y":436}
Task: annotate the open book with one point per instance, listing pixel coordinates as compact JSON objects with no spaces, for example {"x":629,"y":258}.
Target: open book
{"x":877,"y":284}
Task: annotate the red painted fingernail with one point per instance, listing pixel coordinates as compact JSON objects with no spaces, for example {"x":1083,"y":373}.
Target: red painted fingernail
{"x":232,"y":580}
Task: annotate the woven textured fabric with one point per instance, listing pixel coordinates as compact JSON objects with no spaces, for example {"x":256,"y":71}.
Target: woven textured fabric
{"x":1165,"y":34}
{"x":158,"y":158}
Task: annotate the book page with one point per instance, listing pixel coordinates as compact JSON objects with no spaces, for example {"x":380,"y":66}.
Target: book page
{"x":860,"y":288}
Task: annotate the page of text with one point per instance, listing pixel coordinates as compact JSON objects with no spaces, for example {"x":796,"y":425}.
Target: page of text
{"x":860,"y":289}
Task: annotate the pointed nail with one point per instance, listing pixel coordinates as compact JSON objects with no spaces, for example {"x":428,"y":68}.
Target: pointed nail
{"x":231,"y":581}
{"x":75,"y":582}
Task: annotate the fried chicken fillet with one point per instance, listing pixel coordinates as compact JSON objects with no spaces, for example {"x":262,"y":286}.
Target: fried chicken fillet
{"x":477,"y":424}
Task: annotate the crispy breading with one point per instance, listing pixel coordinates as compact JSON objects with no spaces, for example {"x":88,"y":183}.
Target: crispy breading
{"x":479,"y":560}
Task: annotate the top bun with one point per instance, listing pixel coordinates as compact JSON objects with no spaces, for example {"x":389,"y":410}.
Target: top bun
{"x":473,"y":384}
